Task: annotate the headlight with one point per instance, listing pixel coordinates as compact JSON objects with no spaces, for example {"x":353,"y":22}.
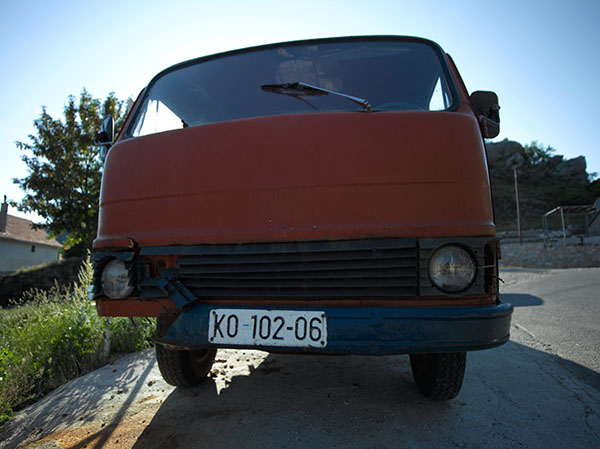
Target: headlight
{"x":451,"y":269}
{"x":116,"y":281}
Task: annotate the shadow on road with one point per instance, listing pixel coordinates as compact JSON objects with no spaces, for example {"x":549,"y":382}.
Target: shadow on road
{"x":78,"y":402}
{"x":511,"y":396}
{"x":286,"y":400}
{"x":522,"y":299}
{"x":99,"y":439}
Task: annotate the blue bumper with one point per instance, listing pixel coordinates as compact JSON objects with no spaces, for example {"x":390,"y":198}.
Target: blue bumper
{"x":372,"y":331}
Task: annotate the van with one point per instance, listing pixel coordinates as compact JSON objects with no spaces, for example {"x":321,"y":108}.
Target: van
{"x":326,"y":196}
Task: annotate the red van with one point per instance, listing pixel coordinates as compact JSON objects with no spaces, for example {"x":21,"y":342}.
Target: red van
{"x":325,"y":196}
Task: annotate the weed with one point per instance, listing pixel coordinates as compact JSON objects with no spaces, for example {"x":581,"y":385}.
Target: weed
{"x":56,"y":335}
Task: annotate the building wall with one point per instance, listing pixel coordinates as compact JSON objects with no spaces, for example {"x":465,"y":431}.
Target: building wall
{"x":594,"y":228}
{"x":15,"y":255}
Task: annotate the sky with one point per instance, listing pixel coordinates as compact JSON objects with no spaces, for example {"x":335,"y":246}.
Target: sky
{"x":540,"y":57}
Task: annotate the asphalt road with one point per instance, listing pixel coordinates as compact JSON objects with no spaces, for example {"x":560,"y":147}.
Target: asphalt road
{"x":560,"y":310}
{"x":541,"y":390}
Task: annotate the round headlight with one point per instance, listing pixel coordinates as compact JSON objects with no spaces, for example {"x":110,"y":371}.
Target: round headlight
{"x":115,"y":279}
{"x":452,"y":269}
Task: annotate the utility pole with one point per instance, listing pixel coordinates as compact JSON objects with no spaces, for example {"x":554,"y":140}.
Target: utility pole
{"x":518,"y":208}
{"x":514,"y":162}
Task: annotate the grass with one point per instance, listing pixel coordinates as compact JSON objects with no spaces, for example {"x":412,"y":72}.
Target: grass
{"x":35,"y":267}
{"x":54,"y":336}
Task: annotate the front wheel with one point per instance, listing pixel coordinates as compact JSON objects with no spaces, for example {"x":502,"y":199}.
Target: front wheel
{"x":184,"y":368}
{"x":181,"y":368}
{"x":439,"y":376}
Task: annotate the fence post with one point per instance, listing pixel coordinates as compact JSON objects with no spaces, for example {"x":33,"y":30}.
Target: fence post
{"x":562,"y":219}
{"x":107,"y":335}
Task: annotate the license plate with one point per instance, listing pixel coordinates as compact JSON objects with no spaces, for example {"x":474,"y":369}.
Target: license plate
{"x":250,"y":327}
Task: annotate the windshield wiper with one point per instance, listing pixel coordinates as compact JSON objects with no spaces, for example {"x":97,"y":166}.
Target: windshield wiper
{"x":300,"y":88}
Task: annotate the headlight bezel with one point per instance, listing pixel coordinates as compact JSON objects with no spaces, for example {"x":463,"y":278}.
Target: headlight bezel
{"x":120,"y":284}
{"x":471,"y":264}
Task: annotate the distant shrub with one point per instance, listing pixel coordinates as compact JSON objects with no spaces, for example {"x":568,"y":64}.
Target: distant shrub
{"x":34,"y":268}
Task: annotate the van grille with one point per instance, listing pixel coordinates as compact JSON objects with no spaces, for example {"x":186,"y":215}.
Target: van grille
{"x":302,"y":270}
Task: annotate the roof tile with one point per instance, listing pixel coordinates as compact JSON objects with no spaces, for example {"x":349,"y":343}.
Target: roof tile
{"x":21,"y":229}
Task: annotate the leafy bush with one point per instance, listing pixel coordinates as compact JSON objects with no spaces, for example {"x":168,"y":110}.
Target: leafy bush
{"x":54,"y":336}
{"x":129,"y":334}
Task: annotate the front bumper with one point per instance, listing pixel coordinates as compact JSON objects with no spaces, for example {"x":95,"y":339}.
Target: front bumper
{"x":371,"y":330}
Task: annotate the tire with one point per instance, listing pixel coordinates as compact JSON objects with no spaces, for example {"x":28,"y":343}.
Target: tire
{"x":439,"y":376}
{"x":182,"y":368}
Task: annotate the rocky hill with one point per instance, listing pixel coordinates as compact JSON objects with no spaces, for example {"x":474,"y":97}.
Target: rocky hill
{"x":545,"y":181}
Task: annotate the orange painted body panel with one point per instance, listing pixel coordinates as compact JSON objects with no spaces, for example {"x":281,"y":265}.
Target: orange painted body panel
{"x":314,"y":176}
{"x":135,"y":307}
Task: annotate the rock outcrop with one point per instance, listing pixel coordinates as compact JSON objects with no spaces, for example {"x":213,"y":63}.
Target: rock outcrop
{"x":571,"y":170}
{"x":545,"y":181}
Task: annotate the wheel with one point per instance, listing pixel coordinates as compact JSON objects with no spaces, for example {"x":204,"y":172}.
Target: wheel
{"x":439,"y":376}
{"x":182,"y":368}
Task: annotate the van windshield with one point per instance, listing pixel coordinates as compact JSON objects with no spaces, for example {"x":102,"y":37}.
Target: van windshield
{"x":342,"y":75}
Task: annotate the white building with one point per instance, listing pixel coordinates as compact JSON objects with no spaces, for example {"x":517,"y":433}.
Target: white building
{"x":21,"y":245}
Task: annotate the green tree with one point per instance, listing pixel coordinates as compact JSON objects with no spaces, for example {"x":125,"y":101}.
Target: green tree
{"x":64,"y":168}
{"x":536,"y":154}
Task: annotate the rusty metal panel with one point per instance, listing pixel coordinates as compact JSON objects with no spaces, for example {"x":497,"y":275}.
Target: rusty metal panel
{"x":299,"y":178}
{"x":134,"y":307}
{"x":375,"y":331}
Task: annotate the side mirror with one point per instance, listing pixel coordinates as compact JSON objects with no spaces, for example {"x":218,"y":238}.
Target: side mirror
{"x":487,"y":110}
{"x":105,"y":135}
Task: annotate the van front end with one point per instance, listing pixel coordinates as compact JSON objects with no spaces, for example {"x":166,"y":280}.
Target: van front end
{"x":371,"y":296}
{"x":297,"y":206}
